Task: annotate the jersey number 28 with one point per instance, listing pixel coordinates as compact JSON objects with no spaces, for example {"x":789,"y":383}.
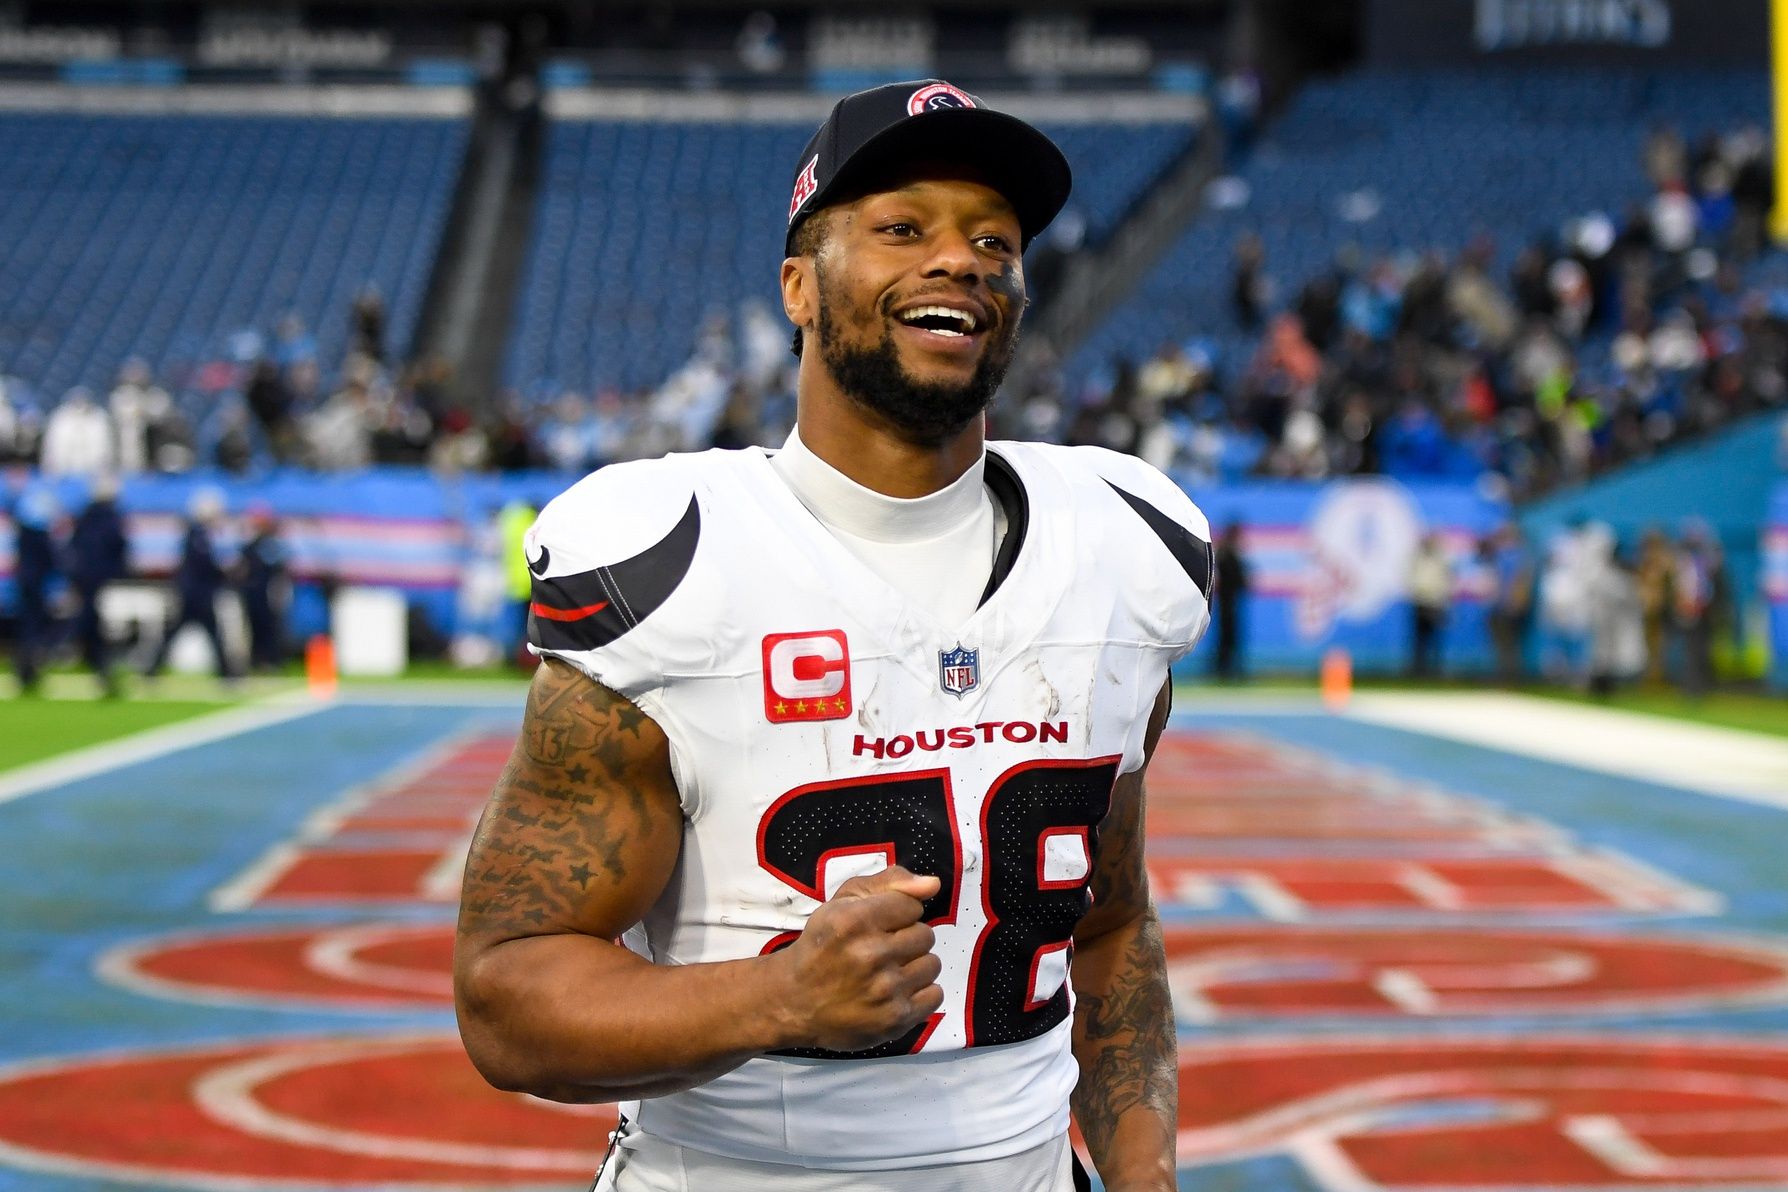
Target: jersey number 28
{"x":1038,"y":837}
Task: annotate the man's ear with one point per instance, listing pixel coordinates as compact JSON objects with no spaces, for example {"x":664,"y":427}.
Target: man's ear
{"x":800,"y":291}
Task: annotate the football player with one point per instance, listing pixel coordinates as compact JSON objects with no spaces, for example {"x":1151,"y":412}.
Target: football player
{"x":821,"y":850}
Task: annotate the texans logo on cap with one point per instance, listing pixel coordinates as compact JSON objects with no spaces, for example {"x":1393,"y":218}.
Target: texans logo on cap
{"x":805,"y":185}
{"x":937,"y":97}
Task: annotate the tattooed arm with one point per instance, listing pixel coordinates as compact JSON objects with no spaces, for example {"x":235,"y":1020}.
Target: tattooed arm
{"x":577,"y":842}
{"x":1127,"y":1100}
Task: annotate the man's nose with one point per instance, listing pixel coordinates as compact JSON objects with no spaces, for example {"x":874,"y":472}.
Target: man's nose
{"x":953,"y":255}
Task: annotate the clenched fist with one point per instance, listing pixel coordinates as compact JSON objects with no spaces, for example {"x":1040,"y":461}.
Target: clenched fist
{"x":862,"y":971}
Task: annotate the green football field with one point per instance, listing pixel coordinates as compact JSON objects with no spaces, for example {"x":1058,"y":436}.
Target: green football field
{"x":34,"y":729}
{"x":69,"y":717}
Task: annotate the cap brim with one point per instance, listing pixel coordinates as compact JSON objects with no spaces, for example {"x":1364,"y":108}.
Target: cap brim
{"x":1016,"y":159}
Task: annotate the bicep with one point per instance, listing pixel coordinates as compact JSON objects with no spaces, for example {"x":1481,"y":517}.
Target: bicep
{"x":583,"y":829}
{"x":1120,"y":881}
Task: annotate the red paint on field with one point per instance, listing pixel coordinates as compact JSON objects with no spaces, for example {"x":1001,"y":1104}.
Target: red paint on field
{"x":1241,"y":972}
{"x":1559,"y":1113}
{"x":379,"y":965}
{"x":343,"y":1111}
{"x":1306,"y":885}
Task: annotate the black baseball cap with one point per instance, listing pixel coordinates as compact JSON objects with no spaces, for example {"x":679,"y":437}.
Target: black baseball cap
{"x":928,"y":119}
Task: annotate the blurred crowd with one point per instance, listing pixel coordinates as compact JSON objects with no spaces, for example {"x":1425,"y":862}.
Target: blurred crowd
{"x":1606,"y":339}
{"x":1590,"y":611}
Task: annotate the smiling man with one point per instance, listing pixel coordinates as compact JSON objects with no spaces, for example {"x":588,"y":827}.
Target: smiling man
{"x":821,"y":849}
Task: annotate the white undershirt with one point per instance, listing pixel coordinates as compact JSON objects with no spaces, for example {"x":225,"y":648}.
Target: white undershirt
{"x":937,"y":550}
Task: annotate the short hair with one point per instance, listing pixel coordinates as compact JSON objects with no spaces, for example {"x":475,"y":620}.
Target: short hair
{"x":810,"y":238}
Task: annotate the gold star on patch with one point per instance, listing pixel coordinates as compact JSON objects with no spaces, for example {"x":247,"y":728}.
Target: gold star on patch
{"x":781,"y":708}
{"x":801,"y":706}
{"x":839,"y":705}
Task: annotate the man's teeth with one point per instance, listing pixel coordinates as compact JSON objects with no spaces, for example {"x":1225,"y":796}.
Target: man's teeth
{"x":961,"y":321}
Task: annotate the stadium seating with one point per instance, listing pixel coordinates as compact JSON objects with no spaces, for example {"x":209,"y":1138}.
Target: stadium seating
{"x":644,"y":229}
{"x":165,"y":236}
{"x":1412,"y":160}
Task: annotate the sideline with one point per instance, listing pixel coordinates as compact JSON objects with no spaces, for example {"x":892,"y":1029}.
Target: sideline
{"x":1711,"y":759}
{"x":155,"y":742}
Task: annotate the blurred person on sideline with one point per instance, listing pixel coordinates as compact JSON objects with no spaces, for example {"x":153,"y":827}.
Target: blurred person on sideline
{"x":1230,"y":607}
{"x":98,"y":554}
{"x":1616,"y":618}
{"x":1564,"y":605}
{"x":35,"y":517}
{"x":198,"y":578}
{"x":1430,"y":601}
{"x":1655,"y":576}
{"x":263,"y":580}
{"x":1511,"y":600}
{"x":518,"y":581}
{"x":920,"y":967}
{"x":1699,"y":600}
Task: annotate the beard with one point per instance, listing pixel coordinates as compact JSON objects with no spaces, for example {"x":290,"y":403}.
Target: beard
{"x":924,"y":413}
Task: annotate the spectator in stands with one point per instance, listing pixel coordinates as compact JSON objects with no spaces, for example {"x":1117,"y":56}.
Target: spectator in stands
{"x":1430,"y":601}
{"x":173,"y":447}
{"x":135,"y":402}
{"x":1753,"y":190}
{"x":460,"y":444}
{"x":1230,"y":609}
{"x":511,"y":438}
{"x":367,"y":324}
{"x":97,"y":556}
{"x":565,"y":436}
{"x":261,"y":575}
{"x":1249,"y":289}
{"x":77,"y":439}
{"x":293,"y":346}
{"x":198,"y":578}
{"x":340,"y":432}
{"x":34,"y":515}
{"x":12,"y":428}
{"x":270,"y":400}
{"x":234,"y":450}
{"x":1482,"y":311}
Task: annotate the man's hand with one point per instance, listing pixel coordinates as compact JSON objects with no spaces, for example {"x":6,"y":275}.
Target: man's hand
{"x":862,"y":971}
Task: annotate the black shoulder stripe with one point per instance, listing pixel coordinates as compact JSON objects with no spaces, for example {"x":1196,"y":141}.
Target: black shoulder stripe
{"x":1003,"y":482}
{"x":592,"y":608}
{"x":1191,"y":552}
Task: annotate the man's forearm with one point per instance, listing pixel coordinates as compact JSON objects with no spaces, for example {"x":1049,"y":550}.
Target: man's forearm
{"x":571,"y":1018}
{"x":1127,"y":1101}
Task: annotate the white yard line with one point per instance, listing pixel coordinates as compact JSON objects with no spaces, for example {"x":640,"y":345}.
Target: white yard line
{"x":153,"y":743}
{"x":1717,"y":761}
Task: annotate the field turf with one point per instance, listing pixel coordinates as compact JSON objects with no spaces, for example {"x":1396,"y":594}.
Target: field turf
{"x":34,"y":729}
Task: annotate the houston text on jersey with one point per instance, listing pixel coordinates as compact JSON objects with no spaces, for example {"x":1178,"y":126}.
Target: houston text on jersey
{"x":962,"y":736}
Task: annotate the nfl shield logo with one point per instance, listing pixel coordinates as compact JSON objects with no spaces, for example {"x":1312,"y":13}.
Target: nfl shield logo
{"x":959,"y":670}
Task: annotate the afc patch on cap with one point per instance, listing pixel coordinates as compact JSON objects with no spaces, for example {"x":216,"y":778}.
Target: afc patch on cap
{"x":805,"y":185}
{"x":936,"y":97}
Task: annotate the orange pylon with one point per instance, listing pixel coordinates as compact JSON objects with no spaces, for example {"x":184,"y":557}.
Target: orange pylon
{"x":1337,"y":678}
{"x":319,"y":665}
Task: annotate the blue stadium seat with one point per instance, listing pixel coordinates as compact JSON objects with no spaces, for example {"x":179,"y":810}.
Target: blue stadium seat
{"x":160,"y":236}
{"x":644,"y":229}
{"x":1447,"y":155}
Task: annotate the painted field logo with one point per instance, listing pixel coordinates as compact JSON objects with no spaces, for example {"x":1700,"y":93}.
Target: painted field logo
{"x":959,"y":670}
{"x":1519,"y":1111}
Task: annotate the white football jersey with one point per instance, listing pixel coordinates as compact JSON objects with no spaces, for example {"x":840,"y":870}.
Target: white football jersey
{"x":823,"y":727}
